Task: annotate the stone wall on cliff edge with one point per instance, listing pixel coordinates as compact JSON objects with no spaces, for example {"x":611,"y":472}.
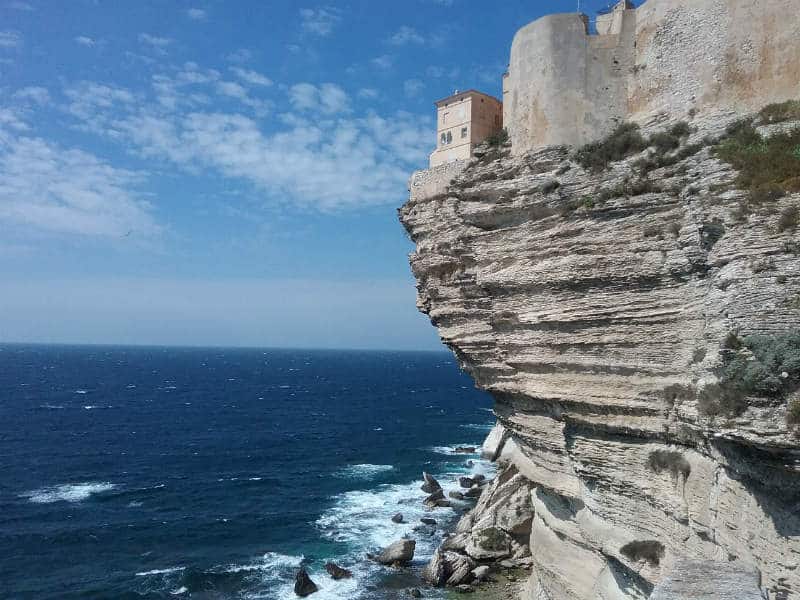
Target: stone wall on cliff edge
{"x":672,"y":56}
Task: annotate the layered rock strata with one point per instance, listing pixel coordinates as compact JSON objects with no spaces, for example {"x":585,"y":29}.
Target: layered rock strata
{"x":596,"y":312}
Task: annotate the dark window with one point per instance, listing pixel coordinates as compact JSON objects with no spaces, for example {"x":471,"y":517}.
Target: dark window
{"x":449,"y":137}
{"x":463,"y":132}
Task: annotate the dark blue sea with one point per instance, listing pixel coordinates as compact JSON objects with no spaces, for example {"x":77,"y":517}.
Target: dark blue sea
{"x":215,"y":473}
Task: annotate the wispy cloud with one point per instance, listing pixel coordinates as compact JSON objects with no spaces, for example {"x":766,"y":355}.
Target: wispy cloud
{"x":159,"y":44}
{"x":406,"y":35}
{"x":251,"y":77}
{"x":413,"y":87}
{"x":320,"y":21}
{"x":10,"y":39}
{"x":368,"y":93}
{"x":384,"y":62}
{"x":197,"y":14}
{"x":327,"y":98}
{"x":84,"y":40}
{"x":317,"y":154}
{"x":239,"y":56}
{"x":54,"y":189}
{"x":35,"y":94}
{"x":18,"y":5}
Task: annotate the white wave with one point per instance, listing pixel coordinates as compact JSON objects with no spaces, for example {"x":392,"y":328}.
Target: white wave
{"x":69,"y":492}
{"x":81,"y":392}
{"x":89,"y":407}
{"x":160,"y":571}
{"x":181,"y":590}
{"x":364,"y":471}
{"x":451,"y":450}
{"x":478,"y":426}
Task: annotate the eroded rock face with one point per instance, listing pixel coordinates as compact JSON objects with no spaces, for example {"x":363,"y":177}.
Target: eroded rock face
{"x":596,"y":325}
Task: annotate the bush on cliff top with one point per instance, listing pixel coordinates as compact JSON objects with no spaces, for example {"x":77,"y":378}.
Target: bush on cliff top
{"x":627,"y":140}
{"x":783,"y":111}
{"x":768,"y":167}
{"x":624,"y":141}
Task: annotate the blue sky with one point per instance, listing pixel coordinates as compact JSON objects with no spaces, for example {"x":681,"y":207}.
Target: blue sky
{"x":226,"y":173}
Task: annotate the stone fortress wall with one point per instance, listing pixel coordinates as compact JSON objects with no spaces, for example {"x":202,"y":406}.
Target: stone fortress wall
{"x":565,"y":86}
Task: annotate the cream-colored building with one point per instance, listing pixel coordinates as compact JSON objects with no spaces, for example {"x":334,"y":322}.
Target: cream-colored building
{"x":464,"y":120}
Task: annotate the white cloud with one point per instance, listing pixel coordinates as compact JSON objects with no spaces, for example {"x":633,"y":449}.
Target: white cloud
{"x":368,"y":93}
{"x":50,"y":188}
{"x":159,"y":44}
{"x":251,"y":77}
{"x":327,"y":98}
{"x":197,"y":14}
{"x":317,"y":155}
{"x":85,"y":41}
{"x":406,"y":35}
{"x":413,"y":87}
{"x":239,"y":56}
{"x":35,"y":94}
{"x":384,"y":62}
{"x":319,"y":21}
{"x":10,"y":39}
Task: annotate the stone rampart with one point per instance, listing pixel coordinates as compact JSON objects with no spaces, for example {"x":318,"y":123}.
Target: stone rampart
{"x":434,"y":181}
{"x":676,"y":57}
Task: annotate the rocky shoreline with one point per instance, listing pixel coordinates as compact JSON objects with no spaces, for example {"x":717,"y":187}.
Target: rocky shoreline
{"x":486,"y":551}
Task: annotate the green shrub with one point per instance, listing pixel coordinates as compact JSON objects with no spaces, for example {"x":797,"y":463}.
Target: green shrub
{"x":650,"y":550}
{"x":790,"y":216}
{"x":498,"y":138}
{"x":784,"y":111}
{"x":668,"y":460}
{"x":753,"y":366}
{"x":768,"y":167}
{"x":624,"y":141}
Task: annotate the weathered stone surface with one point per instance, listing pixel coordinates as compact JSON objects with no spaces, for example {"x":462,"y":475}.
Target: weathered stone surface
{"x":566,"y":87}
{"x":303,"y":586}
{"x":398,"y":518}
{"x":400,"y":552}
{"x":429,"y":485}
{"x":709,"y":580}
{"x":582,"y":318}
{"x":336,"y":572}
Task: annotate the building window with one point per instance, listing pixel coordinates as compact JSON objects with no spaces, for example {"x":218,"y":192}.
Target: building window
{"x":444,"y":117}
{"x":449,"y":137}
{"x":443,"y":139}
{"x":463,"y":132}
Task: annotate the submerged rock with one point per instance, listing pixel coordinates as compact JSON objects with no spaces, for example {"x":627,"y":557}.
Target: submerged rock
{"x":303,"y":586}
{"x":428,"y":521}
{"x":398,"y":518}
{"x":337,"y":572}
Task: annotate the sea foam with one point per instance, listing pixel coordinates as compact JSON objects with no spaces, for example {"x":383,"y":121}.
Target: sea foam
{"x":69,"y":492}
{"x":363,"y":471}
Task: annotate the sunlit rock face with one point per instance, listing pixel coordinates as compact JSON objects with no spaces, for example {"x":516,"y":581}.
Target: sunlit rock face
{"x":598,"y":312}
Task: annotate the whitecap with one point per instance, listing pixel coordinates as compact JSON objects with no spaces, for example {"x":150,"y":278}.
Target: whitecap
{"x":181,"y":590}
{"x":81,"y":392}
{"x":69,"y":492}
{"x":478,"y":426}
{"x":363,"y":471}
{"x":160,"y":571}
{"x":89,"y":407}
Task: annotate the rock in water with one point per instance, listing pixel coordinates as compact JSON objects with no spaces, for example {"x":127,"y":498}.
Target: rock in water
{"x":428,"y":521}
{"x":400,"y":552}
{"x":303,"y":586}
{"x":431,"y":485}
{"x":398,"y":518}
{"x":466,"y":482}
{"x":434,"y":498}
{"x":336,"y":572}
{"x":465,"y":450}
{"x":415,"y":593}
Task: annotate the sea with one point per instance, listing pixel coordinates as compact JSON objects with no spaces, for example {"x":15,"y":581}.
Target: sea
{"x":146,"y":473}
